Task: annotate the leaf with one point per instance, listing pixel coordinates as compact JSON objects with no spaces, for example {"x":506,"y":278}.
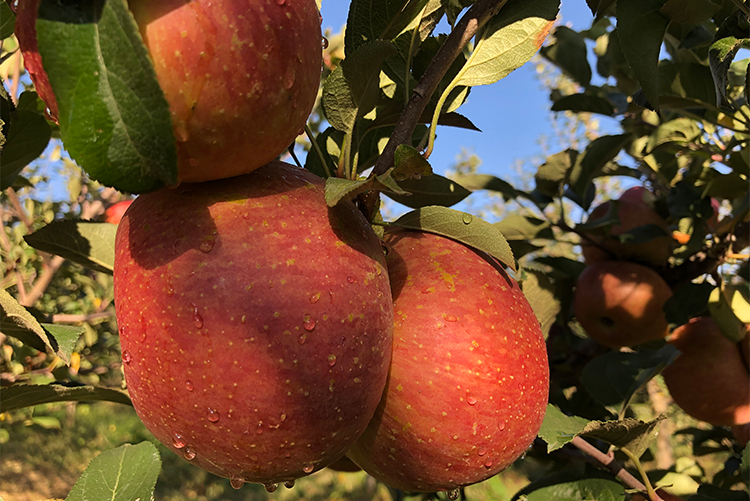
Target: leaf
{"x":127,"y":473}
{"x":352,"y":89}
{"x":540,"y":292}
{"x":641,"y":29}
{"x":569,"y":53}
{"x":66,"y":337}
{"x":7,"y":20}
{"x":708,"y":492}
{"x":114,"y":118}
{"x":551,"y":175}
{"x":728,"y":40}
{"x":687,"y":301}
{"x":85,"y":242}
{"x":462,"y":227}
{"x":586,"y":489}
{"x":723,"y":314}
{"x":409,"y":163}
{"x":46,"y":422}
{"x":590,"y":163}
{"x":579,"y":103}
{"x":558,"y":429}
{"x":28,"y":395}
{"x":613,"y":378}
{"x":679,"y":130}
{"x":631,"y":434}
{"x":487,"y":182}
{"x":745,"y":464}
{"x":11,"y":312}
{"x":508,"y":41}
{"x":689,"y":11}
{"x":430,"y":190}
{"x":370,"y":20}
{"x":329,"y":142}
{"x":518,"y":227}
{"x":338,"y":189}
{"x":27,"y":137}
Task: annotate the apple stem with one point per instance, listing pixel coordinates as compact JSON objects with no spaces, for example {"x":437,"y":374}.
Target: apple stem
{"x":649,"y":488}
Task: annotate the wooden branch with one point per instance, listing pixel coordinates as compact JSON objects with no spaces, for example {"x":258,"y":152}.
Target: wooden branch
{"x":42,"y":282}
{"x":71,"y":318}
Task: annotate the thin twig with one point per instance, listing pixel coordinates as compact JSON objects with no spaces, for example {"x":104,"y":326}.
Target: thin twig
{"x":41,"y":283}
{"x":20,"y":212}
{"x":72,"y":319}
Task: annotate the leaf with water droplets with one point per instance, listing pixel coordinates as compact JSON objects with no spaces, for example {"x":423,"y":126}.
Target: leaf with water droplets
{"x":20,"y":396}
{"x":462,"y":227}
{"x":126,"y":473}
{"x":559,"y":429}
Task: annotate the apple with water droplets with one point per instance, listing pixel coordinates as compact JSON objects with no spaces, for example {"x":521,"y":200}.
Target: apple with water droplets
{"x":469,"y":379}
{"x":255,"y":322}
{"x":240,"y":76}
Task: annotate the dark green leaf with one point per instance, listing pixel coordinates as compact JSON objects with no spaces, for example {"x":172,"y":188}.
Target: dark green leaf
{"x":127,"y":473}
{"x":559,"y":429}
{"x":85,"y":242}
{"x":569,"y":53}
{"x":679,"y":130}
{"x":552,"y":174}
{"x":370,"y":20}
{"x":708,"y":492}
{"x":728,"y":40}
{"x":329,"y":144}
{"x":28,"y":395}
{"x":488,"y":182}
{"x":338,"y":189}
{"x":641,"y":29}
{"x":642,"y":234}
{"x":584,"y":103}
{"x":566,"y":267}
{"x":27,"y":137}
{"x":631,"y":434}
{"x":114,"y":118}
{"x":540,"y":292}
{"x":518,"y":227}
{"x":587,"y":489}
{"x":689,"y":11}
{"x":460,"y":226}
{"x":430,"y":190}
{"x":409,"y":163}
{"x":597,"y":155}
{"x":7,"y":20}
{"x":687,"y":301}
{"x":688,"y":80}
{"x":745,"y":464}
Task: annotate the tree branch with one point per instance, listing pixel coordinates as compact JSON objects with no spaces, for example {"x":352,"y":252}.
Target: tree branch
{"x":73,"y":318}
{"x":42,"y":282}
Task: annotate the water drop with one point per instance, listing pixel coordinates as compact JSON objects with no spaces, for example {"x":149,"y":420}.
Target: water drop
{"x":331,"y":360}
{"x":181,"y":133}
{"x":501,"y":426}
{"x":289,"y":484}
{"x":289,"y":75}
{"x":271,"y":487}
{"x":189,"y":385}
{"x":213,"y":415}
{"x":178,"y":441}
{"x":450,"y":318}
{"x":488,"y":463}
{"x":170,"y":289}
{"x":426,"y":290}
{"x":243,"y":320}
{"x":282,"y":418}
{"x":126,"y":357}
{"x":206,"y":245}
{"x":523,"y":456}
{"x":471,"y":400}
{"x":453,"y":494}
{"x":320,"y":15}
{"x":467,"y":218}
{"x":197,"y":318}
{"x":308,"y":467}
{"x":302,"y":339}
{"x":236,"y":482}
{"x":259,"y":429}
{"x":122,"y":330}
{"x":280,"y":2}
{"x":315,"y":297}
{"x":308,"y":323}
{"x":350,"y":280}
{"x":482,"y":451}
{"x":189,"y":453}
{"x":324,"y":43}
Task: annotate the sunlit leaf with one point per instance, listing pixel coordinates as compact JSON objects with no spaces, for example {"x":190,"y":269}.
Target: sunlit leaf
{"x":85,"y":242}
{"x":631,"y":434}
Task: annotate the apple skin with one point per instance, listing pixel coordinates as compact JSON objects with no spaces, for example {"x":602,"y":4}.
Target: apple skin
{"x":255,"y":322}
{"x":620,"y":303}
{"x":345,"y":465}
{"x":469,"y":378}
{"x":709,"y":380}
{"x":114,"y":213}
{"x":634,"y":210}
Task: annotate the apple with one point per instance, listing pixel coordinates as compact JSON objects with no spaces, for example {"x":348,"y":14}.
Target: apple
{"x":742,"y":433}
{"x":345,"y":465}
{"x":469,"y":379}
{"x":240,"y":76}
{"x":114,"y":213}
{"x":620,"y":303}
{"x":709,"y":380}
{"x":634,"y":209}
{"x":255,"y":322}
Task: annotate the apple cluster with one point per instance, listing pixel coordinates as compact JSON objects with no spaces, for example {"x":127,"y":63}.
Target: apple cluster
{"x":619,"y":301}
{"x":266,"y":335}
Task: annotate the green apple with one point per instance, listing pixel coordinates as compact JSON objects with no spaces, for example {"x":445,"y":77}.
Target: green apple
{"x":469,"y":378}
{"x":255,"y":322}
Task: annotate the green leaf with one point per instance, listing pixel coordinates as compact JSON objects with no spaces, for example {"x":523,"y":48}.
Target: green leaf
{"x":352,"y":89}
{"x":708,"y":492}
{"x":551,"y":175}
{"x":487,"y":182}
{"x":127,"y":473}
{"x":15,"y":317}
{"x":85,"y":242}
{"x":370,"y":20}
{"x":338,"y":189}
{"x":508,"y":41}
{"x":641,"y":29}
{"x":7,"y":20}
{"x":409,"y":163}
{"x":518,"y":227}
{"x":66,"y":337}
{"x":723,"y":314}
{"x":687,"y":301}
{"x":540,"y":292}
{"x":27,"y":137}
{"x":329,"y":142}
{"x":46,"y":422}
{"x":114,"y":118}
{"x":29,"y":395}
{"x":689,"y":11}
{"x":587,"y":489}
{"x":579,"y":103}
{"x":631,"y":434}
{"x":679,"y":130}
{"x":590,"y":164}
{"x":559,"y":429}
{"x":430,"y":190}
{"x":745,"y":464}
{"x":728,"y":40}
{"x":462,"y":227}
{"x":569,"y":53}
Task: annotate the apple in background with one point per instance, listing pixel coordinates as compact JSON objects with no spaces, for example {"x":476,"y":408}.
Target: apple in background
{"x":240,"y":76}
{"x":742,"y":433}
{"x":114,"y":213}
{"x":634,"y":210}
{"x":255,"y":322}
{"x":710,"y":379}
{"x":620,"y":303}
{"x":469,"y":378}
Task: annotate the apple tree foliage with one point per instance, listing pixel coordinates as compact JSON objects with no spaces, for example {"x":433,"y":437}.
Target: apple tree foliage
{"x":665,"y":71}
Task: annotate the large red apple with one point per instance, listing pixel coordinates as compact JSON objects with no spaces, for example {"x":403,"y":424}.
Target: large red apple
{"x":240,"y":76}
{"x":634,"y":209}
{"x":710,"y":379}
{"x":255,"y":322}
{"x":620,"y":303}
{"x":469,"y":378}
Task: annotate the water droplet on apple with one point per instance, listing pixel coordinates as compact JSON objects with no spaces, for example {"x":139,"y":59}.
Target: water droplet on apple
{"x":271,"y":487}
{"x":197,"y":318}
{"x":289,"y":484}
{"x":289,"y":75}
{"x":320,"y":15}
{"x":189,"y":385}
{"x":236,"y":482}
{"x":324,"y":43}
{"x":471,"y":400}
{"x":178,"y":441}
{"x":315,"y":297}
{"x":308,"y":323}
{"x":181,"y":133}
{"x":331,"y":360}
{"x":189,"y":453}
{"x":282,"y":418}
{"x":122,"y":330}
{"x":501,"y":426}
{"x":467,"y":218}
{"x":302,"y":339}
{"x":453,"y":494}
{"x":426,"y":290}
{"x":206,"y":245}
{"x":488,"y":463}
{"x":280,"y":2}
{"x":450,"y":318}
{"x":170,"y":289}
{"x":308,"y":467}
{"x":350,"y":280}
{"x":259,"y":429}
{"x":213,"y":415}
{"x":482,"y":451}
{"x":126,"y":357}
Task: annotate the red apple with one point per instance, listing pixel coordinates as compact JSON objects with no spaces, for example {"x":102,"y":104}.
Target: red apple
{"x":240,"y":76}
{"x":709,"y":380}
{"x":114,"y":213}
{"x":634,"y":210}
{"x":469,"y":378}
{"x":344,"y":464}
{"x":255,"y":322}
{"x":620,"y":303}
